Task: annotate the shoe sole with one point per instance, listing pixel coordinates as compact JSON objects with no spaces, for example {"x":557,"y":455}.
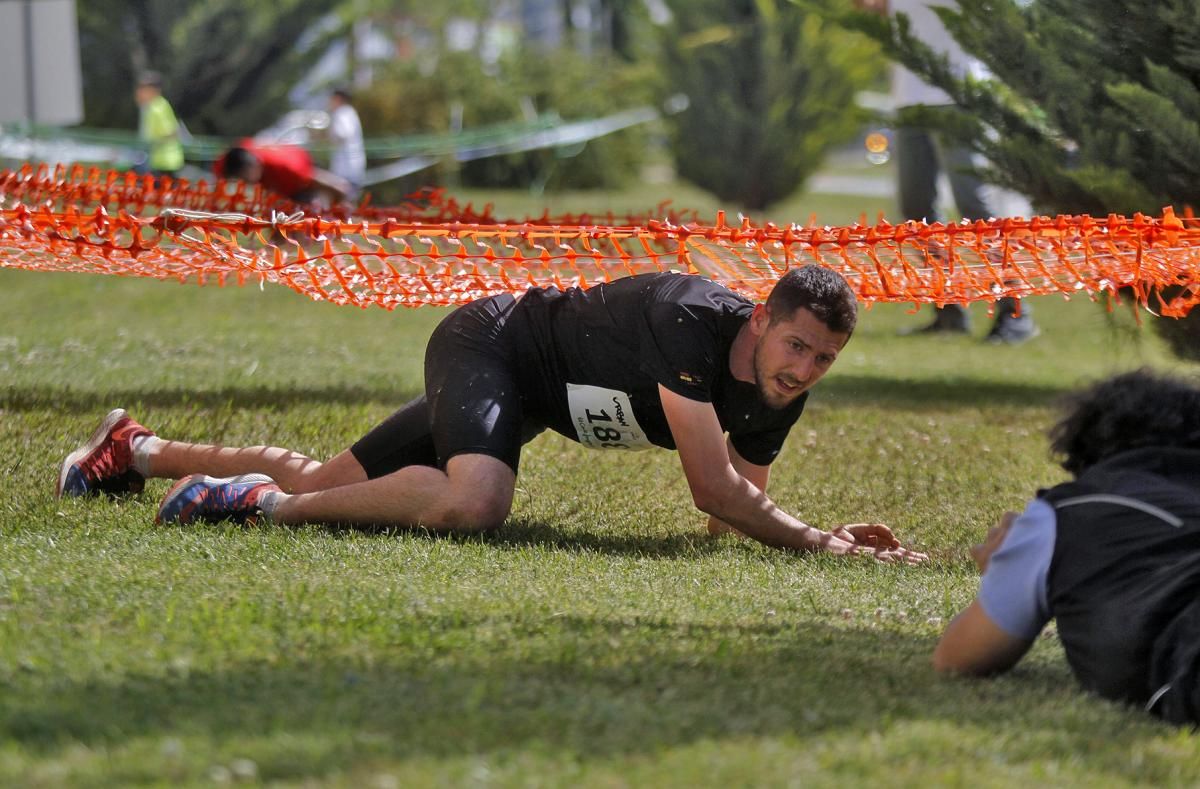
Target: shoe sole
{"x":106,"y":426}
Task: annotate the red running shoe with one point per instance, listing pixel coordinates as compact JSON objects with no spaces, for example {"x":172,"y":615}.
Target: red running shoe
{"x":105,"y":463}
{"x":214,"y":499}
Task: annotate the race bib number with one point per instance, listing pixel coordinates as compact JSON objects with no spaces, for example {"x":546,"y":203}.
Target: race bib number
{"x":603,"y":418}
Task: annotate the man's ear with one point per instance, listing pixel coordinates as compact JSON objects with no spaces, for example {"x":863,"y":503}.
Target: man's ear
{"x":760,"y":319}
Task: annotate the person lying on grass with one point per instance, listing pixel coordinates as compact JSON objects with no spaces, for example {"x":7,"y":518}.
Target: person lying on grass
{"x":666,"y":360}
{"x":1113,"y":556}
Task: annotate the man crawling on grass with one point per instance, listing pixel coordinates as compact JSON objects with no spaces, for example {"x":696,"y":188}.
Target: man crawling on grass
{"x":664,"y":360}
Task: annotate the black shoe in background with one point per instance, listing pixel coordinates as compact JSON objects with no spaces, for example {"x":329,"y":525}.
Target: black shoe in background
{"x":1010,"y":328}
{"x":951,"y":319}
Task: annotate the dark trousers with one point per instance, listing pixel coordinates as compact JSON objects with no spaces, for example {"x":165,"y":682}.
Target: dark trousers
{"x":920,"y":157}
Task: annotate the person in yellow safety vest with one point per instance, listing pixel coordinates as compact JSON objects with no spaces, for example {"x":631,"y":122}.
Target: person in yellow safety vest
{"x":157,"y":127}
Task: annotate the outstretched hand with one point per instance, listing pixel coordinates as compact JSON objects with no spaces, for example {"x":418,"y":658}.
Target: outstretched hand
{"x":982,"y":553}
{"x":876,"y":540}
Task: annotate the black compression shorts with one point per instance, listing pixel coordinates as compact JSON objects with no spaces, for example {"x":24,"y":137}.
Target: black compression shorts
{"x":472,"y":401}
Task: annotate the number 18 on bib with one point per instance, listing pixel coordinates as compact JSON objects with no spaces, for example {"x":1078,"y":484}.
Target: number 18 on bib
{"x":603,"y":418}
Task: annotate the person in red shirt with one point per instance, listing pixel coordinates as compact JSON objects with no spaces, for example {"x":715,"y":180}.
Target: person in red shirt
{"x":287,"y":170}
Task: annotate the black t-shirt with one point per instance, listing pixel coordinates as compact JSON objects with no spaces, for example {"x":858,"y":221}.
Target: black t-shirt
{"x":592,"y":360}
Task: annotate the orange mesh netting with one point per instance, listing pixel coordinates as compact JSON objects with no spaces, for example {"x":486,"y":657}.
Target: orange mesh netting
{"x":431,"y":250}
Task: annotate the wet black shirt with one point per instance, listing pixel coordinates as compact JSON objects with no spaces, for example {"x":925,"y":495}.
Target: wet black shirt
{"x":591,"y":362}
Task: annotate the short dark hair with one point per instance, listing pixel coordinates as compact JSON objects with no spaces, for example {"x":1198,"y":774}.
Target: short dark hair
{"x":344,"y":94}
{"x":237,"y":162}
{"x":150,"y":79}
{"x":822,"y":291}
{"x":1130,"y":411}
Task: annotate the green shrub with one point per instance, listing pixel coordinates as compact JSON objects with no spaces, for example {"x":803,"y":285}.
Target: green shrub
{"x":771,"y":89}
{"x":404,"y":100}
{"x":227,"y":65}
{"x":574,"y":88}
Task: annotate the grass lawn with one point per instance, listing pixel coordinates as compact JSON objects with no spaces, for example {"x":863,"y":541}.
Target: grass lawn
{"x":598,"y":639}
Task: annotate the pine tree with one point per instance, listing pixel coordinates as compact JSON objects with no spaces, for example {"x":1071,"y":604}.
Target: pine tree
{"x":1094,"y":106}
{"x":228,"y":65}
{"x":770,"y":88}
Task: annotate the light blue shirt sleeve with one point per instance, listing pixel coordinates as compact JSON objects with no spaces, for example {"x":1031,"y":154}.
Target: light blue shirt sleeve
{"x":1013,"y":590}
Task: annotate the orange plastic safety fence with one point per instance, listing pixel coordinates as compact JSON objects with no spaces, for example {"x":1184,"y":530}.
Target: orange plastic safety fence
{"x":433,"y":251}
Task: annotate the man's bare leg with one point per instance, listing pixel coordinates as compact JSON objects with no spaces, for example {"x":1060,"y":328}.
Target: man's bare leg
{"x":291,"y":471}
{"x":474,"y":493}
{"x":121,"y":454}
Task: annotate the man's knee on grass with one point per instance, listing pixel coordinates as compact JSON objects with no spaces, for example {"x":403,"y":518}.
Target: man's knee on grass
{"x":479,"y":497}
{"x":471,"y":514}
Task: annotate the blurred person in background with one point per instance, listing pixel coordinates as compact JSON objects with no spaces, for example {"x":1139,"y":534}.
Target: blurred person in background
{"x":347,"y":160}
{"x":158,"y":129}
{"x":923,"y":154}
{"x":286,"y":170}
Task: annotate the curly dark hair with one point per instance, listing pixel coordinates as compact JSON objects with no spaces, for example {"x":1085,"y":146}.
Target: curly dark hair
{"x":822,"y":291}
{"x":1129,"y":411}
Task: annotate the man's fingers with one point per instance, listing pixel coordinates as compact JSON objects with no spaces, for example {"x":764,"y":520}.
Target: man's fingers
{"x":859,"y":537}
{"x":877,"y":540}
{"x":900,"y":555}
{"x":873,"y":534}
{"x":880,"y":533}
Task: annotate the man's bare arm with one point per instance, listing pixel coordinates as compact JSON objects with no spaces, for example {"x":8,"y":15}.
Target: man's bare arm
{"x":975,"y":645}
{"x":721,"y":492}
{"x":756,"y":475}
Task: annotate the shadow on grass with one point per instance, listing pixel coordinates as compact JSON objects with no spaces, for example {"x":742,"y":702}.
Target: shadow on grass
{"x":595,"y":687}
{"x":923,"y":394}
{"x":519,"y":533}
{"x":74,"y":401}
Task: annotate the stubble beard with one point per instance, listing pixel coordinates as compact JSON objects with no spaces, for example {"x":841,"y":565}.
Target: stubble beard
{"x":761,"y":385}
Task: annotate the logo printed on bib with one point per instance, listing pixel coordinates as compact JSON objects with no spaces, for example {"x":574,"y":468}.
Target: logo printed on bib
{"x":603,"y":418}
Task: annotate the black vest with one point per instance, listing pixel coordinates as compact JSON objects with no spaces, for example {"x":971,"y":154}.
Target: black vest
{"x":1124,"y":581}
